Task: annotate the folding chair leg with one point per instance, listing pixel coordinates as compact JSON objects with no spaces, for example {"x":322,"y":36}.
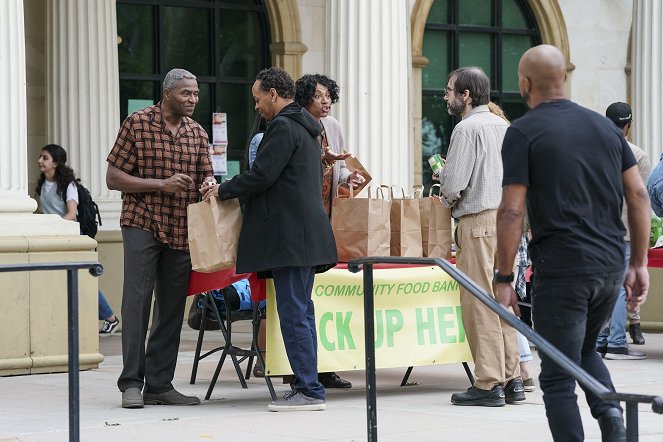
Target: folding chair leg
{"x":470,"y":376}
{"x":259,"y":359}
{"x":406,"y":377}
{"x":216,"y":374}
{"x":199,"y":344}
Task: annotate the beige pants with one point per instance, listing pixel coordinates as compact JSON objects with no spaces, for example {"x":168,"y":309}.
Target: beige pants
{"x":493,"y":343}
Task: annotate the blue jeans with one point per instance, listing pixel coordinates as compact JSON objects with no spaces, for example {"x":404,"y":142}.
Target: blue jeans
{"x":569,"y":312}
{"x":297,"y":319}
{"x":615,"y":335}
{"x":105,"y":310}
{"x":655,"y":188}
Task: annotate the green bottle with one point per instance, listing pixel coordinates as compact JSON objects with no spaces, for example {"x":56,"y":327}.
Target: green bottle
{"x":656,"y":230}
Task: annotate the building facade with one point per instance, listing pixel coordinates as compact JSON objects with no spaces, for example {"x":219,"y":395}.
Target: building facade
{"x":71,"y":70}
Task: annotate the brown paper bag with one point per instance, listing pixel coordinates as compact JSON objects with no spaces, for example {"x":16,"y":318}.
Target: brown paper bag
{"x":353,"y":164}
{"x":405,"y":225}
{"x":435,"y":226}
{"x":214,"y":227}
{"x":360,"y":225}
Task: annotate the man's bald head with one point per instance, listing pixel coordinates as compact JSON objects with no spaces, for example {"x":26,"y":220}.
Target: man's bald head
{"x":542,"y":74}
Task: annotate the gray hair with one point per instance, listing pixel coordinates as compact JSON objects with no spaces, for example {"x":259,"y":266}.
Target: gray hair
{"x":174,"y":76}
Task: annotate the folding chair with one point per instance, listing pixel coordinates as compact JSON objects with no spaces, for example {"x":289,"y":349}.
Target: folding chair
{"x":237,"y":354}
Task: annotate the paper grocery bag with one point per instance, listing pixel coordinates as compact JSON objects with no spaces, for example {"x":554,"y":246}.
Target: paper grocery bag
{"x":353,"y":164}
{"x":435,"y":226}
{"x":214,"y":227}
{"x":405,"y":225}
{"x":361,"y":225}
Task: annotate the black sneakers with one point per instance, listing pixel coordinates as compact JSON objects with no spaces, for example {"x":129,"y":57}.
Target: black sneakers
{"x":109,"y":327}
{"x":514,"y":391}
{"x":622,"y":353}
{"x":482,"y":398}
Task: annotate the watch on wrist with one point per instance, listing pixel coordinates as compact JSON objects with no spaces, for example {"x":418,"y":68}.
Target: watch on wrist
{"x":504,"y":279}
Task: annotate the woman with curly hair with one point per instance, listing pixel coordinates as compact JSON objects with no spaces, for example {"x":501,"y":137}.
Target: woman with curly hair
{"x":316,"y":93}
{"x":58,"y":195}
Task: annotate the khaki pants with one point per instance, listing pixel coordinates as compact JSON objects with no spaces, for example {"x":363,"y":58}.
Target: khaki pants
{"x":493,"y":343}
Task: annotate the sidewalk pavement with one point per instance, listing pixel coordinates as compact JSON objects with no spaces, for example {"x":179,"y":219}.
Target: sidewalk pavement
{"x":35,"y":408}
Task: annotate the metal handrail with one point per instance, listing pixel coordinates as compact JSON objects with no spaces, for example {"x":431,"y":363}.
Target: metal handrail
{"x":542,"y":345}
{"x":72,"y":268}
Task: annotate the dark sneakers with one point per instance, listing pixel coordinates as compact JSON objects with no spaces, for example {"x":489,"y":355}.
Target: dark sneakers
{"x":332,"y":380}
{"x":172,"y":397}
{"x":623,"y":353}
{"x":636,"y":334}
{"x":482,"y":398}
{"x":514,"y":391}
{"x":612,"y":427}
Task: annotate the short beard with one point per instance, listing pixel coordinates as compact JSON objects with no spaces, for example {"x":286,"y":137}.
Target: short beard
{"x":455,"y":107}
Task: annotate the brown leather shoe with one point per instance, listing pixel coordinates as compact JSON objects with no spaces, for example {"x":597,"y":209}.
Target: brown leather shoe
{"x":172,"y":397}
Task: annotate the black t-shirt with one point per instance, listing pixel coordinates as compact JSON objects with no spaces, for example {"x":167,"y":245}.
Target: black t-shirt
{"x":572,"y":160}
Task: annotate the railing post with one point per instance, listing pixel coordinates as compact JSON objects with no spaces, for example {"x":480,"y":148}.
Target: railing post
{"x":369,"y":339}
{"x":631,"y":421}
{"x":72,"y":307}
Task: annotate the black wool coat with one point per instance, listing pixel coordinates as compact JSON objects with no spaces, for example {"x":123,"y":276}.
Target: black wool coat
{"x":285,"y":223}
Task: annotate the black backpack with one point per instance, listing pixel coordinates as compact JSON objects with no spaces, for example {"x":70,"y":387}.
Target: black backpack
{"x":88,"y":212}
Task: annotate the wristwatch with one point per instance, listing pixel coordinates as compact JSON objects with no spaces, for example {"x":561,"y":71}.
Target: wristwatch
{"x":505,"y":279}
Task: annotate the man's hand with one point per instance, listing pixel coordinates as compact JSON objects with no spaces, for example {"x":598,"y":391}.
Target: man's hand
{"x":208,"y":190}
{"x":636,"y":283}
{"x":177,"y":183}
{"x":506,"y":296}
{"x":355,"y":179}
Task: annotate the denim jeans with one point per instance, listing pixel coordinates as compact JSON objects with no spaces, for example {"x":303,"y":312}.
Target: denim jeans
{"x":655,"y":188}
{"x":614,"y":333}
{"x":297,"y":320}
{"x":105,"y":310}
{"x":569,"y":312}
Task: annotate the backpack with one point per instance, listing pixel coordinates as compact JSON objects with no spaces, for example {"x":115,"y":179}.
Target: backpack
{"x":88,"y":212}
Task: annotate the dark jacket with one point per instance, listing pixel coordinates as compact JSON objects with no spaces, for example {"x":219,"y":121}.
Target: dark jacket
{"x":285,"y":223}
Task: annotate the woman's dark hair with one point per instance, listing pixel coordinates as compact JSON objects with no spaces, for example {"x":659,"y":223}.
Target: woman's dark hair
{"x":474,"y":80}
{"x":64,"y":175}
{"x":278,"y":79}
{"x":259,"y":125}
{"x":305,"y":88}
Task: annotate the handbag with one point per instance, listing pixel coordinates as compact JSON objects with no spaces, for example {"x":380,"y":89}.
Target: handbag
{"x":195,"y":316}
{"x":214,"y":228}
{"x":435,"y":226}
{"x":361,"y":225}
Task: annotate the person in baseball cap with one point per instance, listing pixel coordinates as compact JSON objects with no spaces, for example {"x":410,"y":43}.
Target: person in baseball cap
{"x":620,"y":114}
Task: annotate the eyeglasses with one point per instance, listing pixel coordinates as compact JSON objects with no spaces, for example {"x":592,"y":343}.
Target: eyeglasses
{"x":447,"y":90}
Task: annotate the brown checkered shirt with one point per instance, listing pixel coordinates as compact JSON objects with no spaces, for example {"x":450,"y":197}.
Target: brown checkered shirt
{"x":145,"y":148}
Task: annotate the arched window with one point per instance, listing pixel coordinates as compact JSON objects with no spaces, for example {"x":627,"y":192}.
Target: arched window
{"x":491,"y":34}
{"x":225,"y":43}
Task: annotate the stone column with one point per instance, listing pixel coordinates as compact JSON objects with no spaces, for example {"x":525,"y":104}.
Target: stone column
{"x":14,"y":197}
{"x":368,"y":49}
{"x":647,"y":77}
{"x":83,"y":92}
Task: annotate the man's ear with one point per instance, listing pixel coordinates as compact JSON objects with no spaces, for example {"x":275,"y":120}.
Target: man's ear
{"x":166,"y":94}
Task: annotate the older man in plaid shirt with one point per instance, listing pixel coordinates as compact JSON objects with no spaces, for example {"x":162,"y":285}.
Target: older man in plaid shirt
{"x":159,"y":161}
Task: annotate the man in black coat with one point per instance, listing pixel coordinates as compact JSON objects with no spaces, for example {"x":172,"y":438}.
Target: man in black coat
{"x":286,"y":230}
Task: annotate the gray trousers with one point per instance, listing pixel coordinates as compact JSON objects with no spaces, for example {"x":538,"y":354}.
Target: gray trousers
{"x":151,"y":266}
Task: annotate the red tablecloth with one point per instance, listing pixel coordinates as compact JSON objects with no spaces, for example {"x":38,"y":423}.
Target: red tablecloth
{"x":655,"y":257}
{"x":203,"y":282}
